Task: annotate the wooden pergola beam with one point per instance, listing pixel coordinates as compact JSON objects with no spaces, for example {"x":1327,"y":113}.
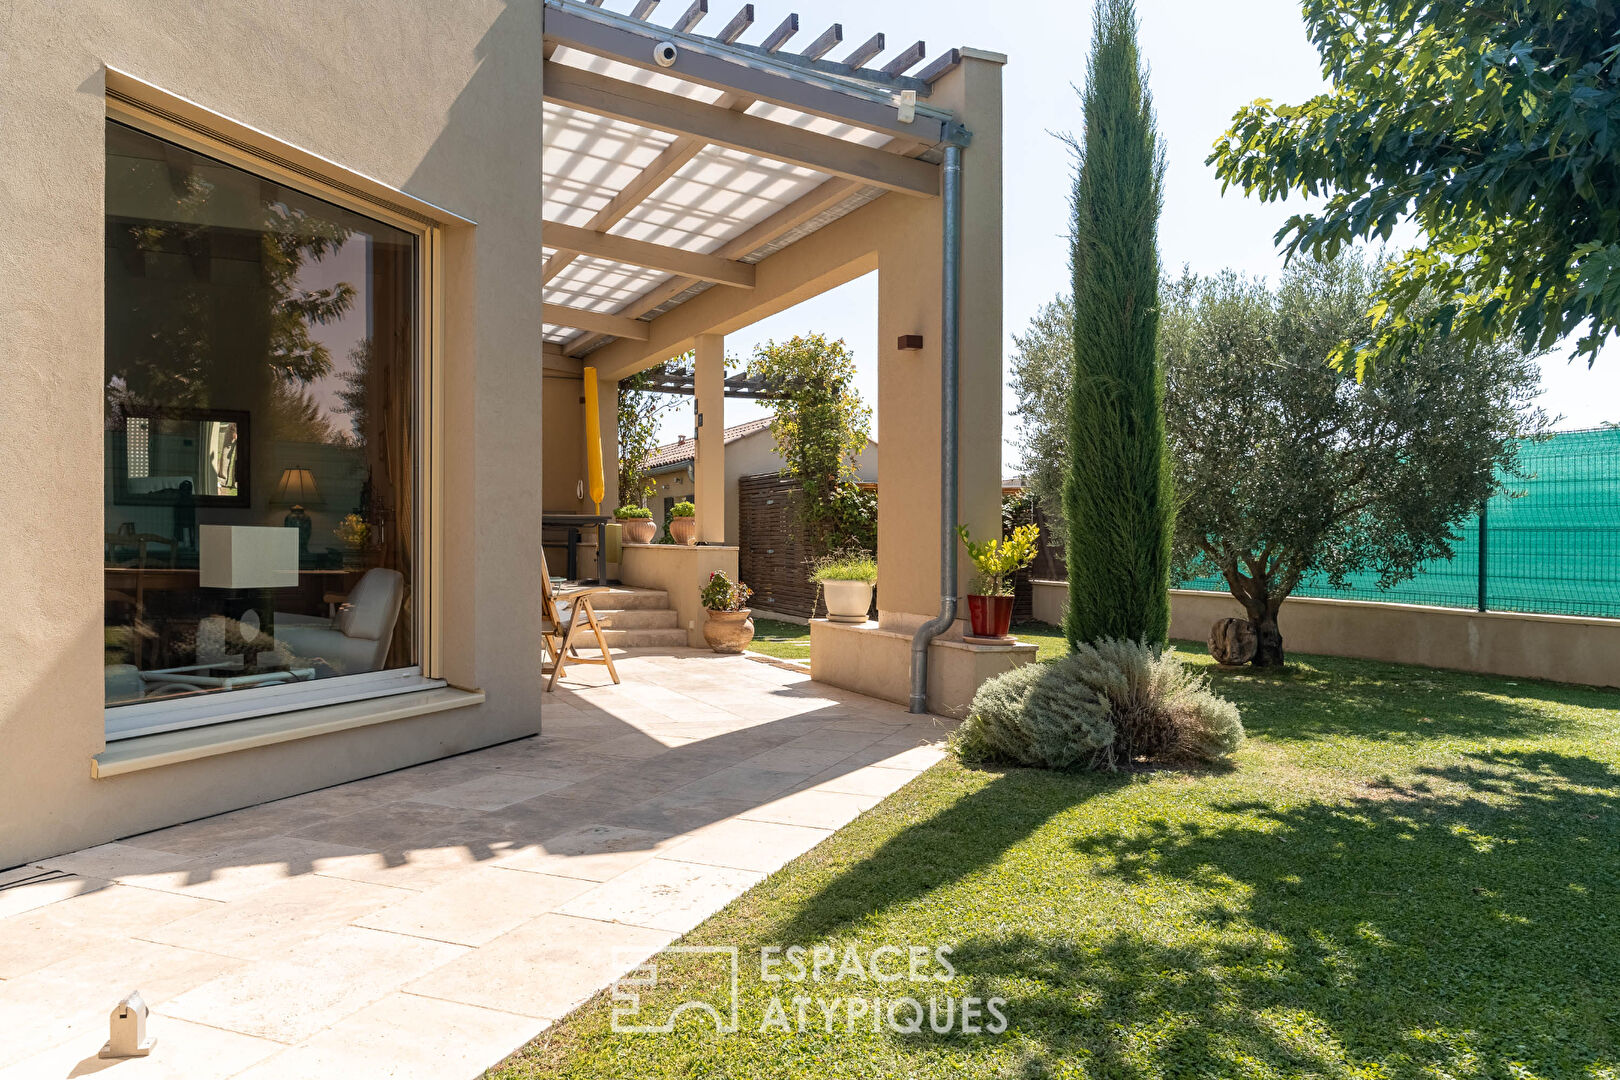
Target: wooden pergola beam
{"x":621,"y":249}
{"x":596,"y":321}
{"x":620,"y":100}
{"x":829,"y":40}
{"x":813,"y":86}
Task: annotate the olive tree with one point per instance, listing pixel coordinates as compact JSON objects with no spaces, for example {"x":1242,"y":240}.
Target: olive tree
{"x":1286,"y":465}
{"x":1489,"y":124}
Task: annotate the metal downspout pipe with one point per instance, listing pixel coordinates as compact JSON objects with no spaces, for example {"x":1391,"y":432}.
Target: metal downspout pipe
{"x":950,"y":436}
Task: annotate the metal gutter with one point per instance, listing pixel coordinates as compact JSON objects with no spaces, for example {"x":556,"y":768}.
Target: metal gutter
{"x":949,"y":431}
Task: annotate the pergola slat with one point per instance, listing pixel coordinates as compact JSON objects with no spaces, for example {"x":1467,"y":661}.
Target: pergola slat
{"x":948,"y":61}
{"x":694,"y":15}
{"x":597,"y":321}
{"x":829,"y":40}
{"x":839,"y":92}
{"x":779,"y":37}
{"x":622,"y":249}
{"x":639,"y":105}
{"x":643,"y":9}
{"x":908,"y":59}
{"x":738,"y":25}
{"x":865,"y":52}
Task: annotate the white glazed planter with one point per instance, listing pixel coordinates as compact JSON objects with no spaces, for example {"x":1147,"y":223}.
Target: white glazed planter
{"x":847,"y":601}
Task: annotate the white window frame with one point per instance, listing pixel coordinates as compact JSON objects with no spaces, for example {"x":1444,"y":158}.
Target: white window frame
{"x":186,"y":124}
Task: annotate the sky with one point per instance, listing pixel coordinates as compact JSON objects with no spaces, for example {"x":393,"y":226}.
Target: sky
{"x":1206,"y":61}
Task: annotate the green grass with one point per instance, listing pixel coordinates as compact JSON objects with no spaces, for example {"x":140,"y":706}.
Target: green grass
{"x":783,"y":640}
{"x":1407,"y":873}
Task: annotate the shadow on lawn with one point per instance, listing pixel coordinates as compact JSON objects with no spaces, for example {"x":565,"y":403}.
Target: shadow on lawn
{"x":970,"y":833}
{"x":1319,"y":696}
{"x":1459,"y":925}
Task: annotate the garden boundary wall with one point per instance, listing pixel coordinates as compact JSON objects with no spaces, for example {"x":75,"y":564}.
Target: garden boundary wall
{"x":1562,"y":648}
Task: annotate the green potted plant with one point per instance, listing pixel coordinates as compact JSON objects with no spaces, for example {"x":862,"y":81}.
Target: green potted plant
{"x":683,"y":523}
{"x":637,"y":522}
{"x":990,"y":608}
{"x":729,"y":628}
{"x":846,"y":579}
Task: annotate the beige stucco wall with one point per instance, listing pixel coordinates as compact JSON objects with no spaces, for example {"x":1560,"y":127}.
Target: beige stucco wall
{"x":441,"y":101}
{"x":1556,"y":647}
{"x":681,"y":572}
{"x":877,"y":662}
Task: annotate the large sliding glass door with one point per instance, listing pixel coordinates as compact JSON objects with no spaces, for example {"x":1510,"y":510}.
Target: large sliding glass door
{"x":261,"y":442}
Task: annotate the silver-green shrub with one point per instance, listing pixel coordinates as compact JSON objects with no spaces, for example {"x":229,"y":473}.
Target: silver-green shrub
{"x":1100,"y":707}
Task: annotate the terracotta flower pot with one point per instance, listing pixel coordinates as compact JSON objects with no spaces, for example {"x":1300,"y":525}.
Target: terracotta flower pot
{"x":729,"y":631}
{"x":990,"y":616}
{"x":639,"y":530}
{"x":683,"y":530}
{"x":847,"y":601}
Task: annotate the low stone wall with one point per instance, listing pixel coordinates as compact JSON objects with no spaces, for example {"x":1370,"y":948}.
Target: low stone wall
{"x":1557,"y":647}
{"x":877,"y":662}
{"x":681,"y":572}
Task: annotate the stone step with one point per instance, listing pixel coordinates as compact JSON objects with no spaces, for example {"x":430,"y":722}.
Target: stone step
{"x":620,"y":599}
{"x":634,"y":639}
{"x":639,"y":618}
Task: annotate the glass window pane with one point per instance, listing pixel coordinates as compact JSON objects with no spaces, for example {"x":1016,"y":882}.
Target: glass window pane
{"x":260,"y":423}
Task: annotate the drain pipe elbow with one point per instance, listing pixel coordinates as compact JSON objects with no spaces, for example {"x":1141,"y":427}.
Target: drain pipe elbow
{"x":949,"y":434}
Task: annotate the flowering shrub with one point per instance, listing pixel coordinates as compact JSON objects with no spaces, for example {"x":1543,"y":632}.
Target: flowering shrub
{"x":723,"y":594}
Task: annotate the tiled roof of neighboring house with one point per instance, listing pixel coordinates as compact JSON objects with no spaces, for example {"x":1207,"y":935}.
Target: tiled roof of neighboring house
{"x":677,"y":452}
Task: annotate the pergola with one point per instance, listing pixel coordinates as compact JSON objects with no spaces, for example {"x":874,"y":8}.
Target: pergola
{"x":695,"y":183}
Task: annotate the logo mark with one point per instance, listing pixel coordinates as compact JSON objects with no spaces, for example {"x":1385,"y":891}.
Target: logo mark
{"x":628,"y":988}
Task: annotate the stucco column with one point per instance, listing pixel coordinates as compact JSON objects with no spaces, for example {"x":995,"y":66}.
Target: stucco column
{"x":709,"y":467}
{"x":909,"y":302}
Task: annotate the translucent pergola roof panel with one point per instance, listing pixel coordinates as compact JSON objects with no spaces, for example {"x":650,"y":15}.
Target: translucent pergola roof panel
{"x":717,"y":195}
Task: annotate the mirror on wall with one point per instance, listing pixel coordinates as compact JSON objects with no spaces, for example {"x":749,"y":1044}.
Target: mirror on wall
{"x":175,"y":457}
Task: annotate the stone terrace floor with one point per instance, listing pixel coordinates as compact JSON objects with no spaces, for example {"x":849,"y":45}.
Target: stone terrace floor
{"x":427,"y":922}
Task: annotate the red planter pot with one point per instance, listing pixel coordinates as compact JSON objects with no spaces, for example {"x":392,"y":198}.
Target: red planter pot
{"x":990,"y":616}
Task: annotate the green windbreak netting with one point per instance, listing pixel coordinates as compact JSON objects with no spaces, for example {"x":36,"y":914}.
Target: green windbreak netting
{"x":1554,"y":549}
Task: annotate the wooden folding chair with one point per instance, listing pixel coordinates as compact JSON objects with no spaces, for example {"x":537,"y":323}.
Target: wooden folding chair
{"x":565,"y":610}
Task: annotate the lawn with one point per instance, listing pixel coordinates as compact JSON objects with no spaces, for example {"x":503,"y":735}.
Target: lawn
{"x":1408,"y":873}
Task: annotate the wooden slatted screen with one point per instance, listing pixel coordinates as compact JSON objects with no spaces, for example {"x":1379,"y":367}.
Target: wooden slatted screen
{"x":772,"y":560}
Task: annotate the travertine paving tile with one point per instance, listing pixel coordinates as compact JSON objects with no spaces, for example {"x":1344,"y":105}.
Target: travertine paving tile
{"x":492,"y":791}
{"x":404,"y":1037}
{"x":184,"y":1051}
{"x":761,"y":846}
{"x":577,"y":957}
{"x":266,"y":924}
{"x":94,"y":920}
{"x":663,"y":895}
{"x":819,"y":809}
{"x":312,"y":986}
{"x":589,"y":852}
{"x":72,"y":997}
{"x":477,"y":906}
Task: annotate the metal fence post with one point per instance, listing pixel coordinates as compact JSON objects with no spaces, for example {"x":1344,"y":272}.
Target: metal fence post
{"x":1483,"y":533}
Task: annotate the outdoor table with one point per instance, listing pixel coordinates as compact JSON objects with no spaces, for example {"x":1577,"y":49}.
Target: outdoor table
{"x":574,"y":523}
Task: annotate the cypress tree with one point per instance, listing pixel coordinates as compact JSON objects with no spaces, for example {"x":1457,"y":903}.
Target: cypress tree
{"x":1118,"y":496}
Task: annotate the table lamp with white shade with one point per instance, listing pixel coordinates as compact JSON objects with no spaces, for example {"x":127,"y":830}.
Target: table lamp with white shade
{"x":248,"y":561}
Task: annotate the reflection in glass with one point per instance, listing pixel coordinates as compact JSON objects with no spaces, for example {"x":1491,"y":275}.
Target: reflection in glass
{"x":259,"y":430}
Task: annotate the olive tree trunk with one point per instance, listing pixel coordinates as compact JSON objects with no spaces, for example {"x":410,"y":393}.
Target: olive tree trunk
{"x":1262,"y":613}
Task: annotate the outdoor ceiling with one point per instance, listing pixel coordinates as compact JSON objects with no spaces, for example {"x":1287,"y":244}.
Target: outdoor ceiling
{"x":623,"y":179}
